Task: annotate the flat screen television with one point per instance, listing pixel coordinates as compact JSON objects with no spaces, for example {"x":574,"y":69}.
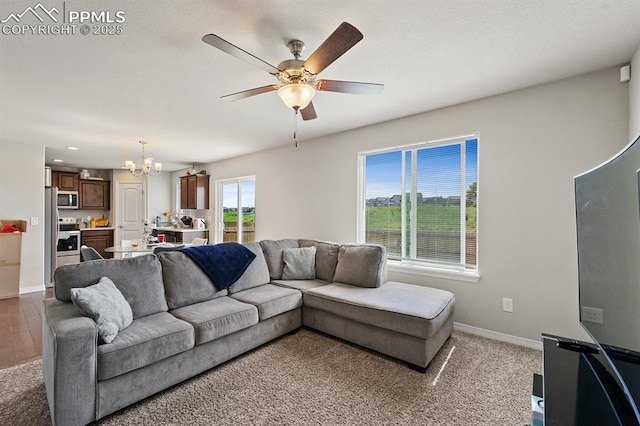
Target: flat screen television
{"x":608,"y":229}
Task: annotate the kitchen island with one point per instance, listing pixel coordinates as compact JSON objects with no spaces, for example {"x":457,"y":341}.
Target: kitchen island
{"x":181,"y":235}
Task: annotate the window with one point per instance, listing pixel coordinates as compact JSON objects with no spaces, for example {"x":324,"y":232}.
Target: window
{"x":420,"y":202}
{"x":237,"y":210}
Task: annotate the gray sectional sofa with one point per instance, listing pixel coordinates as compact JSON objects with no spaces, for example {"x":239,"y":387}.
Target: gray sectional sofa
{"x":182,"y":325}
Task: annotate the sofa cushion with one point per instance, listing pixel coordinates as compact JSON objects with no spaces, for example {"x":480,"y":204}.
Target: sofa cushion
{"x":326,"y":257}
{"x":405,"y":308}
{"x":257,"y":273}
{"x":299,"y":263}
{"x":139,"y":279}
{"x":364,"y":265}
{"x":302,"y":285}
{"x":184,"y":281}
{"x":104,"y":303}
{"x":218,"y":317}
{"x":273,"y":255}
{"x":145,"y":341}
{"x":270,"y":300}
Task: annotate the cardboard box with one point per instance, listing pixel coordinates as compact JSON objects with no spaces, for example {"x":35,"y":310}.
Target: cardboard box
{"x":10,"y":255}
{"x":20,"y":224}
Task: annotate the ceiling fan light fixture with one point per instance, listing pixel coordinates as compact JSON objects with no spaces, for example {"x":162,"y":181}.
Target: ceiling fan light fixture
{"x":296,"y":95}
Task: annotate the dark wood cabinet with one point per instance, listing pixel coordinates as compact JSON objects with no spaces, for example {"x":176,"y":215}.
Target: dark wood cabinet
{"x":65,"y":181}
{"x":184,"y":190}
{"x":99,"y":239}
{"x":94,"y":194}
{"x":194,"y":192}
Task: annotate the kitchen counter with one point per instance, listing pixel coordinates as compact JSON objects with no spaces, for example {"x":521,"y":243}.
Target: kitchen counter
{"x":98,"y":228}
{"x":172,"y":229}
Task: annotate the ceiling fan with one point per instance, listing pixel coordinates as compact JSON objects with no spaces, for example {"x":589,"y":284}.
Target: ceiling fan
{"x":297,"y":83}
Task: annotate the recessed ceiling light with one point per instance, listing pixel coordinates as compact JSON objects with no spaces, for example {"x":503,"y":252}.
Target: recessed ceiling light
{"x":57,"y":160}
{"x":73,"y":148}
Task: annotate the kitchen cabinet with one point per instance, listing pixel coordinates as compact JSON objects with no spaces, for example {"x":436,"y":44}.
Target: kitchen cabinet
{"x":94,"y":194}
{"x":65,"y":181}
{"x":194,"y":192}
{"x":99,"y":239}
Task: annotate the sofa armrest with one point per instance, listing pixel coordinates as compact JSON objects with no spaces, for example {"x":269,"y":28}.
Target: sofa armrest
{"x":69,"y":354}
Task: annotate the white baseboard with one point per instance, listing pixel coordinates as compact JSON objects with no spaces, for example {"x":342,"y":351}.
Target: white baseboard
{"x":520,"y":341}
{"x":33,"y":289}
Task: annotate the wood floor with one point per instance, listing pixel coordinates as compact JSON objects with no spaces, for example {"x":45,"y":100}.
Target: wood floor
{"x":21,"y":328}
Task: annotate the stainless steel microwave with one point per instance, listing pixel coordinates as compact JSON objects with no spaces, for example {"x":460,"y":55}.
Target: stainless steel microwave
{"x":67,"y":199}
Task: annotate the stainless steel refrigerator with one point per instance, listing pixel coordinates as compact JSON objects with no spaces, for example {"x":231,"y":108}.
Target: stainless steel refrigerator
{"x":50,"y":233}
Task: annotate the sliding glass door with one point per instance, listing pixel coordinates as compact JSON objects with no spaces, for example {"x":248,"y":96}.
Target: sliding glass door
{"x":236,"y":210}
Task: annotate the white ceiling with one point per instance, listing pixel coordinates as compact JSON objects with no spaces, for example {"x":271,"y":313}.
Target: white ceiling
{"x":160,"y":83}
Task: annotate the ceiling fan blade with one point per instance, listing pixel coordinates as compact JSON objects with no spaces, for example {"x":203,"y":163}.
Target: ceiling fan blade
{"x":234,"y":50}
{"x":309,"y":112}
{"x":342,"y":39}
{"x":352,"y":87}
{"x":250,"y":92}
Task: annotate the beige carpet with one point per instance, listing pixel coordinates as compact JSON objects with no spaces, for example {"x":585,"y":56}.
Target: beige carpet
{"x":309,"y":378}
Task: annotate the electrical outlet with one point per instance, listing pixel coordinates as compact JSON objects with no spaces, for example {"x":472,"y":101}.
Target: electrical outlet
{"x":34,"y":220}
{"x":507,"y":304}
{"x":594,"y":315}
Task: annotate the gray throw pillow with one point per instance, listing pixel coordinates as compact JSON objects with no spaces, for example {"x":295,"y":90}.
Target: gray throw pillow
{"x":364,"y":265}
{"x":104,"y":303}
{"x":273,"y":255}
{"x":326,"y":258}
{"x":299,"y":263}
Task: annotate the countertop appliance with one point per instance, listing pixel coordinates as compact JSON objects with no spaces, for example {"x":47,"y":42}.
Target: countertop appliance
{"x":67,"y":200}
{"x":187,"y":221}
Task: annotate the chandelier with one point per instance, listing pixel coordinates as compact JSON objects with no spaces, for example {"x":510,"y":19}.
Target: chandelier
{"x":147,"y":164}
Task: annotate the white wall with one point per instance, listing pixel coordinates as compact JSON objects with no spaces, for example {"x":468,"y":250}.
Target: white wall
{"x":532,"y":143}
{"x":158,"y":196}
{"x":634,"y":97}
{"x":22,"y":197}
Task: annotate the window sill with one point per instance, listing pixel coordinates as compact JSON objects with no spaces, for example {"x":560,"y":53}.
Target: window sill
{"x":431,"y":271}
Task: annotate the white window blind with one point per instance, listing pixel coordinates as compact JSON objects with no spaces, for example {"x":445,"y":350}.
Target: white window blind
{"x":420,"y":202}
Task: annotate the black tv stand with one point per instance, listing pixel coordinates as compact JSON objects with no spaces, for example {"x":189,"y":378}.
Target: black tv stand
{"x":578,"y":389}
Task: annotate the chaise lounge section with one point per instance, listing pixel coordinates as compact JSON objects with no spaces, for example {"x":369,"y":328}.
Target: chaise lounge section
{"x":350,"y":298}
{"x":182,"y":324}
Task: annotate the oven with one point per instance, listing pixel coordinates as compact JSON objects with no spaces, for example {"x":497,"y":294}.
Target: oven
{"x":68,"y":246}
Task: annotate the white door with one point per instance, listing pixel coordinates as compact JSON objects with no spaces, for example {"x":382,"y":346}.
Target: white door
{"x":130,"y":212}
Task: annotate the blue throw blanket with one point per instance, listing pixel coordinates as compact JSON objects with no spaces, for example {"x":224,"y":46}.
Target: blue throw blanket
{"x":223,"y":263}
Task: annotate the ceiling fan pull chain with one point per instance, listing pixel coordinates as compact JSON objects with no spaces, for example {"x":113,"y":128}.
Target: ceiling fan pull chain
{"x":295,"y":127}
